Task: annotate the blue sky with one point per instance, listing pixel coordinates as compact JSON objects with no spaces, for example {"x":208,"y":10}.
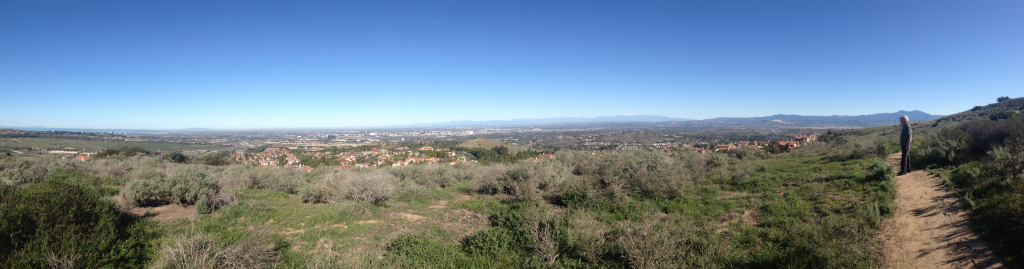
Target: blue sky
{"x":266,"y":64}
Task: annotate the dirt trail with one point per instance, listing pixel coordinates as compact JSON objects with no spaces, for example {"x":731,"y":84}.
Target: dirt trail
{"x":931,"y":228}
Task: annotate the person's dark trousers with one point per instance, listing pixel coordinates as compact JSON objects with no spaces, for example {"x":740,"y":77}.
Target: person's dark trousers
{"x":905,"y":159}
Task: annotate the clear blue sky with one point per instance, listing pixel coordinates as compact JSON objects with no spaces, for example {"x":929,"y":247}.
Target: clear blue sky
{"x":265,"y":64}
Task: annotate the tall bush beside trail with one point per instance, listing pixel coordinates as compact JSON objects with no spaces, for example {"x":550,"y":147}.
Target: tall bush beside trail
{"x":949,"y":147}
{"x":880,"y":171}
{"x":999,"y":185}
{"x":58,"y":217}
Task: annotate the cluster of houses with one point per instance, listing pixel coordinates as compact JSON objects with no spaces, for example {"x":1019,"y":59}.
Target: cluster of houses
{"x":268,"y":157}
{"x":77,"y":155}
{"x":382,"y":157}
{"x":782,"y":144}
{"x":786,"y":145}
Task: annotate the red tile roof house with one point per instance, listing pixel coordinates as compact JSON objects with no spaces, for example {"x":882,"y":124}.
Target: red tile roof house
{"x":725,"y":147}
{"x":806,"y":138}
{"x":787,"y":145}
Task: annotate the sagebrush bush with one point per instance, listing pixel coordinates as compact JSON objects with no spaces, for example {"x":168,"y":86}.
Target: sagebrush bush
{"x":184,"y":186}
{"x":203,"y":205}
{"x":652,"y":244}
{"x":435,"y":175}
{"x":16,"y":171}
{"x":62,"y":217}
{"x":370,"y":185}
{"x":262,"y":178}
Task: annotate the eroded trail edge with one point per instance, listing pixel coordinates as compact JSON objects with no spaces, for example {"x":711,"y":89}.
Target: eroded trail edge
{"x":931,"y":228}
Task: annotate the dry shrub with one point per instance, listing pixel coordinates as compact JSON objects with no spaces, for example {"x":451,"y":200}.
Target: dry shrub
{"x":254,"y":251}
{"x":375,"y":186}
{"x":522,"y":180}
{"x":199,"y":251}
{"x":224,"y":198}
{"x":144,"y":172}
{"x":435,"y":175}
{"x":652,"y":243}
{"x":370,"y":185}
{"x":111,"y":168}
{"x":701,"y":166}
{"x":544,"y":245}
{"x":486,"y":178}
{"x":185,"y":186}
{"x":588,"y":237}
{"x":262,"y":178}
{"x":64,"y":260}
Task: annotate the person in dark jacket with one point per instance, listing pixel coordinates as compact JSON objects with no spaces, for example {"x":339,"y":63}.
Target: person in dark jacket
{"x":905,"y":137}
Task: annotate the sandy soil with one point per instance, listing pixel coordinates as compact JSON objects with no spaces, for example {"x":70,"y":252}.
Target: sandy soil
{"x":931,"y":228}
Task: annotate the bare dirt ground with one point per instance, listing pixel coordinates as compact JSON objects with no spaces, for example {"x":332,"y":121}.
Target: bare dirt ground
{"x":931,"y":228}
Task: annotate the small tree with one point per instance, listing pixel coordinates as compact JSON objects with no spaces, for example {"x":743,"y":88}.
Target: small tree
{"x":176,"y":157}
{"x":1003,"y":99}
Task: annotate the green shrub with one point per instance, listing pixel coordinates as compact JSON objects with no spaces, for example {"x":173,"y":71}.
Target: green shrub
{"x":123,"y":152}
{"x":176,"y":157}
{"x":58,"y":217}
{"x":203,"y":205}
{"x":493,"y":243}
{"x":880,"y":171}
{"x":420,"y":251}
{"x":575,"y":198}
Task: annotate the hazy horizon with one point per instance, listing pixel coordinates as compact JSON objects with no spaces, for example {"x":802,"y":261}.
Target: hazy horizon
{"x":241,"y":65}
{"x":404,"y":126}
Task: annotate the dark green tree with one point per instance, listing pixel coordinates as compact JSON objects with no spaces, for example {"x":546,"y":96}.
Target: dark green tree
{"x":176,"y":157}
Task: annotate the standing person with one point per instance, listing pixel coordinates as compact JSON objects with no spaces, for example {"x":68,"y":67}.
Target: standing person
{"x":905,"y":138}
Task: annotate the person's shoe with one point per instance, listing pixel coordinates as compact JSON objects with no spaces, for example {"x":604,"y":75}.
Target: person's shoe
{"x":901,"y":173}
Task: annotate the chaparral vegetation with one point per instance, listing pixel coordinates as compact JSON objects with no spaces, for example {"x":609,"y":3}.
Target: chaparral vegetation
{"x":813,"y":206}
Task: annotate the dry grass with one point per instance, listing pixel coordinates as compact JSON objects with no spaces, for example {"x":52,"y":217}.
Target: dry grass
{"x":64,"y":260}
{"x":196,"y":250}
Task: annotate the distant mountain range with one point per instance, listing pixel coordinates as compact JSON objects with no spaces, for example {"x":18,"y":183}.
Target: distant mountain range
{"x":548,"y":121}
{"x":879,"y":119}
{"x":780,"y":120}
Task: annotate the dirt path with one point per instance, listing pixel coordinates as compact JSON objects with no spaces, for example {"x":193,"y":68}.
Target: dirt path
{"x":931,"y":228}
